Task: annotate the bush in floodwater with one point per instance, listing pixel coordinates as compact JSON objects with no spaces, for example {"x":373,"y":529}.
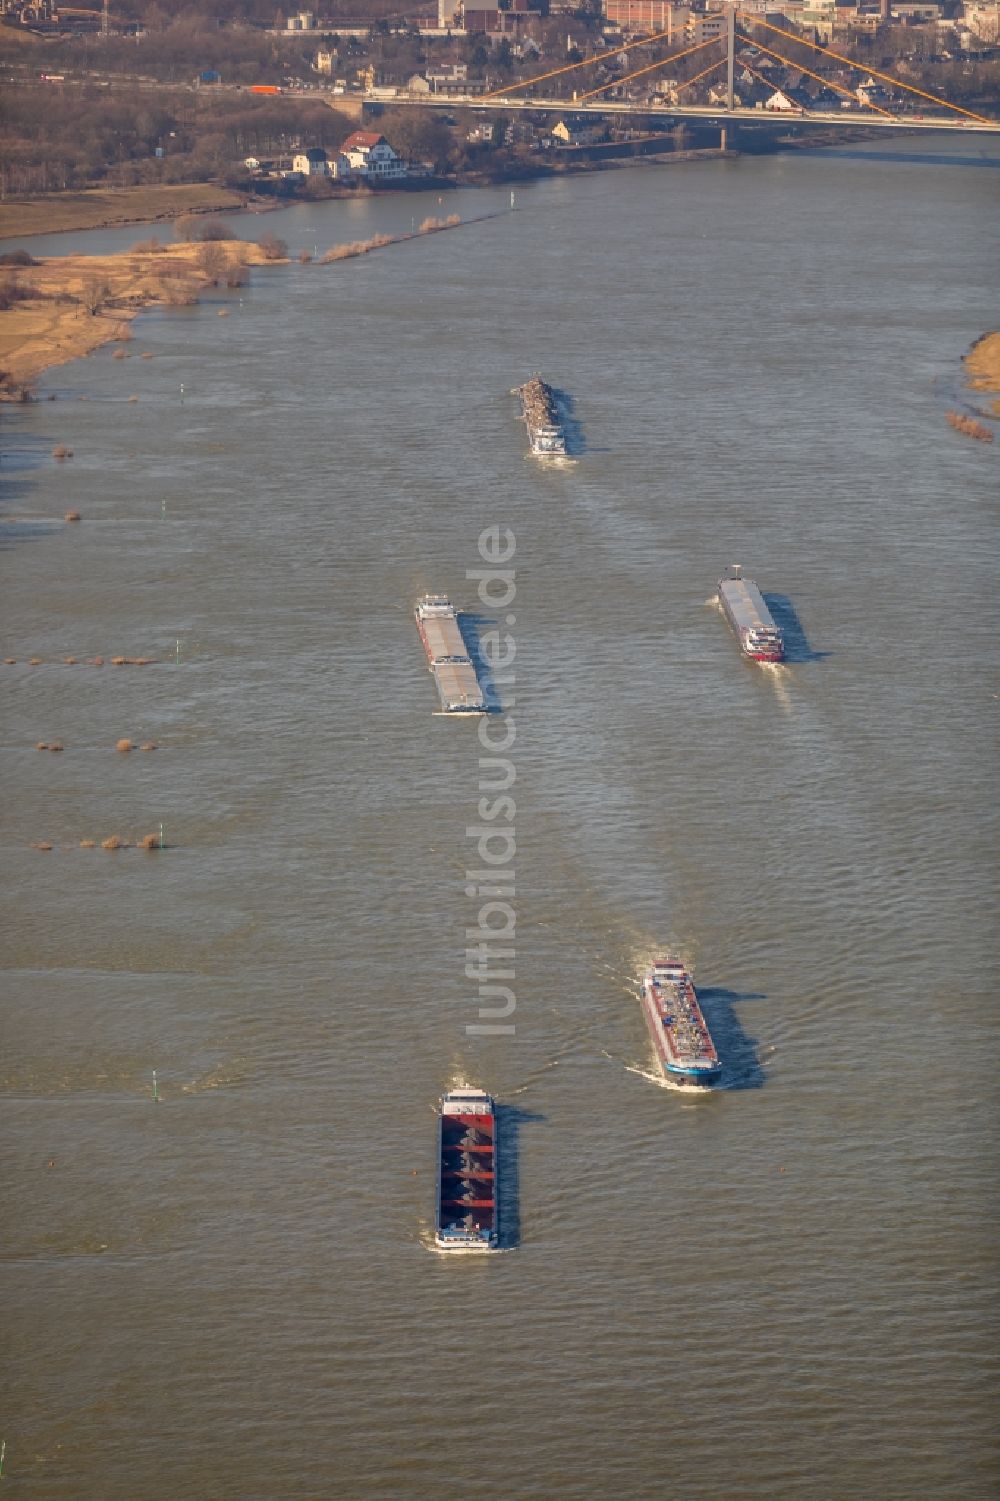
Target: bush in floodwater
{"x":62,"y":452}
{"x":356,"y":247}
{"x":970,"y":427}
{"x":190,"y":228}
{"x":273,"y":248}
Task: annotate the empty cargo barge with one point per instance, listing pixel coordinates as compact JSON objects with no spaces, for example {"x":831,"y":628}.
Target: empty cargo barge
{"x":743,"y":606}
{"x":684,"y":1048}
{"x":450,"y":664}
{"x":467,"y":1173}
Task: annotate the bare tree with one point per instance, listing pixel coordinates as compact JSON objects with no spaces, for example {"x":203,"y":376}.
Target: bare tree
{"x":94,"y":296}
{"x":213,"y":262}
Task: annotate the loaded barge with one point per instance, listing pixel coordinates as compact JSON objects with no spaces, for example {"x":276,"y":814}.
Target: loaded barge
{"x":457,"y":684}
{"x":743,"y":606}
{"x":467,"y":1173}
{"x":541,"y":417}
{"x":684,"y":1048}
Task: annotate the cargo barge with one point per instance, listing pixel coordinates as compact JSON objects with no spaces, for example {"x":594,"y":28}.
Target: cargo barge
{"x":450,"y":664}
{"x":684,"y":1048}
{"x":541,"y":417}
{"x":467,"y":1173}
{"x":743,"y":606}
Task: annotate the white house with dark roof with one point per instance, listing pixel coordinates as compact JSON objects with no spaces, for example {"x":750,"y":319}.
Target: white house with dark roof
{"x":311,"y":163}
{"x":318,"y":163}
{"x":371,"y":156}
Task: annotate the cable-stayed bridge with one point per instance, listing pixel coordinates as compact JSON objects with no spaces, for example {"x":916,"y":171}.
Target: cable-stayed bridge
{"x":927,"y":111}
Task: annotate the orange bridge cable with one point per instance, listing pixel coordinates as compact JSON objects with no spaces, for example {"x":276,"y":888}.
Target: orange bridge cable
{"x":703,"y":74}
{"x":759,"y":76}
{"x":862,"y":68}
{"x":674,"y":56}
{"x":826,"y":82}
{"x":598,"y":57}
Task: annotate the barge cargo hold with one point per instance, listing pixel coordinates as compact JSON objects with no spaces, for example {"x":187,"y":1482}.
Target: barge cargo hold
{"x":467,"y":1173}
{"x":452,"y":668}
{"x":684,"y":1048}
{"x":541,"y":417}
{"x":743,"y":606}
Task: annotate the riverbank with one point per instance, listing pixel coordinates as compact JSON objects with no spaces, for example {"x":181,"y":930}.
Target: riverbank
{"x":982,"y":367}
{"x":96,"y":208}
{"x":65,"y":307}
{"x":99,"y":208}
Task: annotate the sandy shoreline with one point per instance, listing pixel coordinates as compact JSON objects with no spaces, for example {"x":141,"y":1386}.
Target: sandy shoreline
{"x":85,"y":301}
{"x":982,"y":366}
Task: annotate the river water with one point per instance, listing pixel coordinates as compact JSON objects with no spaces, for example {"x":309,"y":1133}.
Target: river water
{"x":778,"y":1290}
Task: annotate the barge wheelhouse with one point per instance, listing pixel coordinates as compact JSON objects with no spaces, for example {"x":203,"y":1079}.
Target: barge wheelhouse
{"x":751,"y":621}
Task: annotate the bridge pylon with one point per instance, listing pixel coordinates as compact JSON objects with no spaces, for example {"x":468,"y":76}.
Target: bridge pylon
{"x":730,"y":57}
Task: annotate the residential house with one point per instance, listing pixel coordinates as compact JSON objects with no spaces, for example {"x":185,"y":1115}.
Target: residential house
{"x":448,"y":77}
{"x":568,"y":134}
{"x":311,"y":163}
{"x":982,"y":19}
{"x":780,"y":101}
{"x":371,"y":156}
{"x":316,"y":163}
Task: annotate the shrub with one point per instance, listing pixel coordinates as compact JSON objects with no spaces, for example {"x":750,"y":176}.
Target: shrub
{"x":214,"y":229}
{"x":273,"y":248}
{"x":11,"y":291}
{"x":969,"y":426}
{"x":17,"y":258}
{"x":213,"y":261}
{"x":178,"y":293}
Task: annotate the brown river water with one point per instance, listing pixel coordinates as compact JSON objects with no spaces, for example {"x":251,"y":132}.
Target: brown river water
{"x":782,"y":1289}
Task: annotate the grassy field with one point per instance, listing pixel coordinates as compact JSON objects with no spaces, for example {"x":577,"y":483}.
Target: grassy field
{"x":96,"y":208}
